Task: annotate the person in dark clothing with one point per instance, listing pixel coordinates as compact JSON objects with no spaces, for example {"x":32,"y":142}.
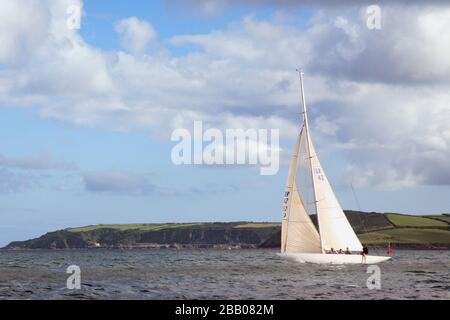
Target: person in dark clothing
{"x":364,"y":253}
{"x":365,"y":250}
{"x":348,"y":251}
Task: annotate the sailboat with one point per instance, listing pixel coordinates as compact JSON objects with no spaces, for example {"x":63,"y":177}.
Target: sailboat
{"x":308,"y":192}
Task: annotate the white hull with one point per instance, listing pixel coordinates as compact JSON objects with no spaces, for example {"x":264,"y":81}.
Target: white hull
{"x":322,"y":258}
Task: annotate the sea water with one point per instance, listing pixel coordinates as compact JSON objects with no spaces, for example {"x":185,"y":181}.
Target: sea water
{"x":216,"y":274}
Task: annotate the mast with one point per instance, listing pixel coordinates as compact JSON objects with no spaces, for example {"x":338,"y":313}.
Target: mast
{"x":308,"y":151}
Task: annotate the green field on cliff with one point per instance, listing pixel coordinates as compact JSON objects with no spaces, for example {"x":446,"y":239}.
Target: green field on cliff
{"x":163,"y":226}
{"x":401,"y":220}
{"x":134,"y":226}
{"x":406,"y":236}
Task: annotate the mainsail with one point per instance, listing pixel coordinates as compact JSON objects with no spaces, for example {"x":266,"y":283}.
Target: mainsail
{"x":335,"y":230}
{"x":309,"y":192}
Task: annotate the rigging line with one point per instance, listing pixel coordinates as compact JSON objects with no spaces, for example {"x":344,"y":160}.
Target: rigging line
{"x":361,"y":220}
{"x":360,"y":209}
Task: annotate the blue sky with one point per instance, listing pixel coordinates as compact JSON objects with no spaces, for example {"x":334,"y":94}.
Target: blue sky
{"x":62,"y":145}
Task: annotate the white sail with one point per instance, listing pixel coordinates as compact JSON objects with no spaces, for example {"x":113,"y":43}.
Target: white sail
{"x":307,"y":192}
{"x":298,"y":233}
{"x":302,"y":235}
{"x":335,"y":230}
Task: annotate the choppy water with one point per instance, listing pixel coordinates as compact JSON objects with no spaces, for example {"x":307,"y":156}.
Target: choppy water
{"x":215,"y":274}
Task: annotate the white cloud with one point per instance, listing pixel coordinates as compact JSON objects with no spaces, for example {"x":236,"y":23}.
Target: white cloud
{"x":209,"y":7}
{"x":135,"y":34}
{"x":382,"y":94}
{"x":23,"y":28}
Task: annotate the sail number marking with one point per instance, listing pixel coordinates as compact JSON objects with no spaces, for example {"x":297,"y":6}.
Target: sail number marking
{"x":285,"y":201}
{"x":319,"y":174}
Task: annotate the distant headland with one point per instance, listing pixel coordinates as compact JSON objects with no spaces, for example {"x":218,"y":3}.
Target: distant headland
{"x":374,"y":229}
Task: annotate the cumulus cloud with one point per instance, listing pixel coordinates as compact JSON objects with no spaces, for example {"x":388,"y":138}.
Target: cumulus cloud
{"x":135,"y":34}
{"x":15,"y":37}
{"x":378,"y":97}
{"x":213,"y":7}
{"x":411,"y":48}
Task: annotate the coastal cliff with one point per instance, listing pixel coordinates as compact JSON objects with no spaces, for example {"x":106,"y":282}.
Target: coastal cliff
{"x":403,"y":231}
